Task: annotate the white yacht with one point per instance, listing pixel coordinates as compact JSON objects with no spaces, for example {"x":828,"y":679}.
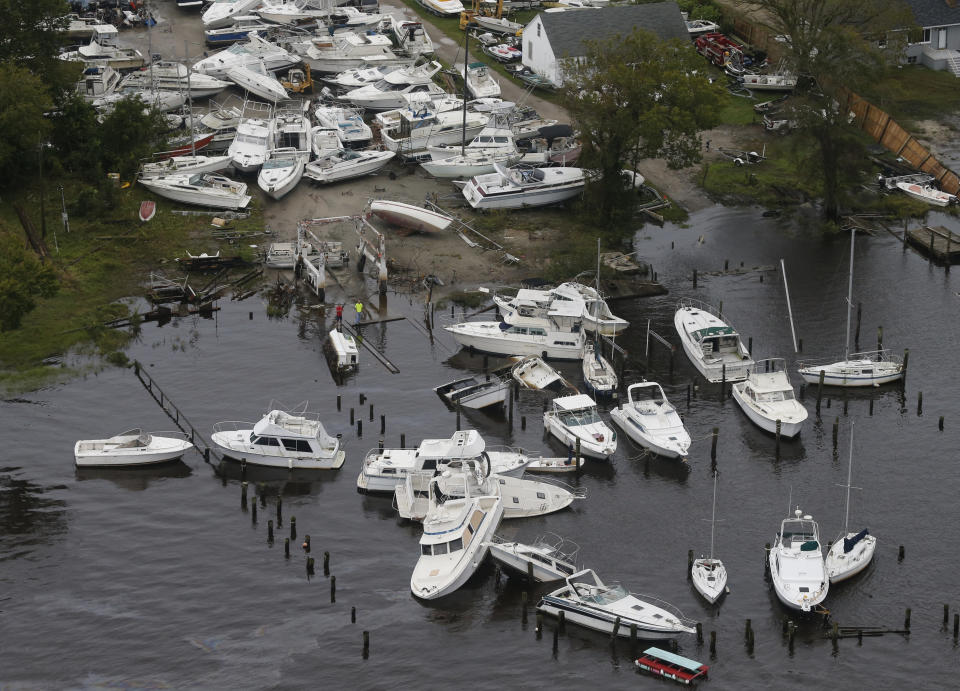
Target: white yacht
{"x":494,"y":145}
{"x":712,"y":345}
{"x":346,"y":50}
{"x":383,"y":469}
{"x":104,"y":50}
{"x":548,"y":558}
{"x":250,"y":147}
{"x":176,"y":76}
{"x":222,"y":13}
{"x":454,"y":541}
{"x":589,"y":602}
{"x":164,"y":101}
{"x":851,"y":552}
{"x":97,"y":81}
{"x":598,"y":374}
{"x":575,"y":418}
{"x":766,"y":396}
{"x":253,"y":77}
{"x":185,"y":164}
{"x":252,"y":51}
{"x":492,"y":140}
{"x":352,"y":131}
{"x":516,"y":188}
{"x":443,"y":8}
{"x":280,"y":439}
{"x":651,"y":421}
{"x":557,"y":337}
{"x":131,"y":448}
{"x":344,"y":164}
{"x":480,"y":80}
{"x":202,"y":189}
{"x":417,"y":131}
{"x":709,"y":575}
{"x":389,"y":92}
{"x":796,"y":563}
{"x":282,"y":171}
{"x":290,"y":11}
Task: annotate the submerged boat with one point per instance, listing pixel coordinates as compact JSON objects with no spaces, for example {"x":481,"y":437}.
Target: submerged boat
{"x":548,"y":558}
{"x":651,"y":421}
{"x":767,"y":397}
{"x":516,"y":188}
{"x":131,"y":448}
{"x":533,"y":373}
{"x":609,"y":608}
{"x":202,"y":189}
{"x":796,"y":563}
{"x":713,"y":346}
{"x":575,"y":419}
{"x":280,"y":439}
{"x":345,"y":349}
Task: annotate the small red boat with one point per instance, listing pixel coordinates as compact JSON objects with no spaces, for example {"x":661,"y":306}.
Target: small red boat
{"x":147,"y":210}
{"x":671,"y":666}
{"x":184,"y":146}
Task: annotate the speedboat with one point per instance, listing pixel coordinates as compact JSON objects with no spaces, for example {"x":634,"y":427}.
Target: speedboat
{"x":253,"y":77}
{"x":351,"y":129}
{"x":503,"y":52}
{"x":202,"y":189}
{"x":475,"y":392}
{"x":548,"y":558}
{"x":926,"y":193}
{"x":176,"y":76}
{"x":222,"y":13}
{"x":469,"y":164}
{"x":454,"y":541}
{"x":515,"y":188}
{"x":651,"y":421}
{"x":250,"y":147}
{"x":254,"y":50}
{"x":344,"y":164}
{"x":360,"y":76}
{"x":610,"y":608}
{"x":479,"y":80}
{"x":410,"y":36}
{"x":346,"y":50}
{"x":709,"y":575}
{"x":796,"y":563}
{"x":241,"y":29}
{"x":280,"y":439}
{"x":713,"y":346}
{"x":409,"y":216}
{"x":290,"y":11}
{"x":576,"y":417}
{"x":851,"y":552}
{"x":282,"y":171}
{"x":185,"y":164}
{"x":533,"y":373}
{"x":417,"y":131}
{"x":443,"y":8}
{"x":500,"y":25}
{"x":492,"y":139}
{"x":598,"y":374}
{"x":382,"y":469}
{"x":131,"y":448}
{"x":767,"y":398}
{"x":556,"y":337}
{"x":389,"y":92}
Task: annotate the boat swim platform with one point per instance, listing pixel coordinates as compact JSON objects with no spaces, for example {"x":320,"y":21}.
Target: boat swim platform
{"x":936,"y":242}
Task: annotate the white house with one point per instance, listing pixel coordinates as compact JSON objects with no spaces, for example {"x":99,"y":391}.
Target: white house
{"x":937,"y":43}
{"x":552,"y":37}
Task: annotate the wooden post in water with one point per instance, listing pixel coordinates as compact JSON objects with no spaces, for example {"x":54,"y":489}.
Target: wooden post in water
{"x":539,"y":628}
{"x":352,"y":420}
{"x":339,"y":402}
{"x":326,"y":563}
{"x":578,"y":452}
{"x":310,"y":568}
{"x":694,"y":278}
{"x":616,"y":629}
{"x":306,"y":543}
{"x":359,"y":428}
{"x":836,"y":431}
{"x":270,"y":531}
{"x":633,"y":634}
{"x":906,"y":360}
{"x":383,"y":424}
{"x":900,"y":554}
{"x":940,"y":423}
{"x":779,"y":424}
{"x":333,"y":588}
{"x":713,"y":447}
{"x":253,"y":516}
{"x":403,"y":440}
{"x":723,"y":381}
{"x":279,"y":510}
{"x":371,"y":412}
{"x":791,"y":632}
{"x":956,"y":626}
{"x":529,"y":572}
{"x":523,"y":422}
{"x":919,"y":403}
{"x":556,"y":641}
{"x":286,"y":547}
{"x":946,"y":614}
{"x":366,"y":644}
{"x":293,"y":527}
{"x":689,"y":564}
{"x":458,"y":416}
{"x":688,"y":396}
{"x":823,"y":373}
{"x":243,"y":496}
{"x":879,"y":340}
{"x":713,"y":644}
{"x":562,"y":623}
{"x":906,"y":620}
{"x":699,"y":632}
{"x":353,"y":615}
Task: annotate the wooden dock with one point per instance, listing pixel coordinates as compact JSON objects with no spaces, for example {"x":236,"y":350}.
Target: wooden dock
{"x":937,"y":242}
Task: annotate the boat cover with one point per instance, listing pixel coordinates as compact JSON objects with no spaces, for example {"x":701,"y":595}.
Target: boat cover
{"x":810,"y":546}
{"x":551,"y":132}
{"x":850,"y":542}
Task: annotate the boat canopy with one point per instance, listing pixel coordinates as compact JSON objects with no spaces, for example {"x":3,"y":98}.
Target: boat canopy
{"x":463,"y":444}
{"x":712,"y":331}
{"x":576,"y":402}
{"x":850,"y":542}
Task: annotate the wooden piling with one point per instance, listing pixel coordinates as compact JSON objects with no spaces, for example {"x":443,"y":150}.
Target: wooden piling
{"x":791,"y":633}
{"x":306,"y":543}
{"x":556,"y":640}
{"x":820,"y":390}
{"x":351,"y":417}
{"x":359,"y":428}
{"x":689,"y":564}
{"x":458,"y":415}
{"x":326,"y":563}
{"x":616,"y":628}
{"x":243,"y":495}
{"x":310,"y":568}
{"x":879,"y":339}
{"x":688,"y":396}
{"x":699,"y":632}
{"x":940,"y":423}
{"x":748,"y":629}
{"x":578,"y":452}
{"x":906,"y":361}
{"x":713,"y":446}
{"x":253,"y":515}
{"x":750,"y":344}
{"x":333,"y":588}
{"x":956,"y":626}
{"x":900,"y":554}
{"x":870,"y":408}
{"x":403,"y":440}
{"x":633,"y":634}
{"x":779,"y":425}
{"x":539,"y":628}
{"x":353,"y":615}
{"x":919,"y":403}
{"x":279,"y":511}
{"x":562,"y":623}
{"x":723,"y":381}
{"x":366,"y":644}
{"x":906,"y":620}
{"x":694,"y":278}
{"x":371,"y":412}
{"x":946,"y":614}
{"x":339,"y":402}
{"x":713,"y":644}
{"x":363,"y":398}
{"x":383,"y":424}
{"x":836,"y":432}
{"x":270,"y":531}
{"x":286,"y":547}
{"x":523,"y":422}
{"x":262,"y":494}
{"x":766,"y":558}
{"x":293,"y":527}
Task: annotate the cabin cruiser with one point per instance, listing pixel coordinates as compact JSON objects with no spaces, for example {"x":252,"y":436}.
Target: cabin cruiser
{"x":97,"y":81}
{"x":359,"y":76}
{"x":713,"y":346}
{"x":418,"y":130}
{"x":222,"y":13}
{"x":528,"y":302}
{"x":383,"y":469}
{"x":131,"y":448}
{"x":250,"y":147}
{"x":104,"y":50}
{"x":389,"y":92}
{"x":796,"y":563}
{"x":254,"y":50}
{"x":241,"y":29}
{"x":767,"y":398}
{"x":598,"y":374}
{"x":548,"y":558}
{"x":280,"y":439}
{"x":282,"y":170}
{"x":443,"y":8}
{"x":201,"y":189}
{"x":518,"y":187}
{"x":346,"y":50}
{"x":343,"y":164}
{"x":609,"y":608}
{"x":254,"y":78}
{"x":292,"y":125}
{"x":491,"y":147}
{"x":185,"y":164}
{"x":651,"y":421}
{"x":454,"y":540}
{"x":410,"y":36}
{"x":480,"y":81}
{"x":418,"y":105}
{"x":80,"y":27}
{"x":352,"y":131}
{"x":492,"y":139}
{"x":576,"y":417}
{"x":222,"y":121}
{"x":175,"y":76}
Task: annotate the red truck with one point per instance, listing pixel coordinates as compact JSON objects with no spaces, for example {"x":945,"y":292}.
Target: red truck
{"x":720,"y":50}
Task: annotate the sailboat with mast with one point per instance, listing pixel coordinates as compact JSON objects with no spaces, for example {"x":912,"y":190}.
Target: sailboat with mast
{"x":709,"y":575}
{"x":855,"y":369}
{"x":850,"y":553}
{"x":598,"y":374}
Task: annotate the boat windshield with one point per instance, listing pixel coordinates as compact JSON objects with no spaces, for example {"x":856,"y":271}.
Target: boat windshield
{"x":775,"y":396}
{"x":605,"y":596}
{"x":251,"y":139}
{"x":575,"y":418}
{"x":283,"y":162}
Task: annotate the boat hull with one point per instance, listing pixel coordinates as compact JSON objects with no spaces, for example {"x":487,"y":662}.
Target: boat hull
{"x":602,"y":621}
{"x":790,"y":425}
{"x":171,"y":450}
{"x":230,"y":449}
{"x":702,"y":572}
{"x":847,"y":374}
{"x":600,"y":450}
{"x":409,"y":216}
{"x":521,"y":199}
{"x":534,"y":346}
{"x":197,"y":198}
{"x":658,"y":446}
{"x":279,"y":188}
{"x":518,"y":565}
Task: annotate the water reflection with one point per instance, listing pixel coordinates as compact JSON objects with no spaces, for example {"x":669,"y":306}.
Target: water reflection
{"x":136,"y":479}
{"x":28,"y":516}
{"x":275,"y":481}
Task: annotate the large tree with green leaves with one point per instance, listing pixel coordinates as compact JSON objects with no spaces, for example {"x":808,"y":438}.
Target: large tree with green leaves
{"x":130,"y":133}
{"x":23,"y":101}
{"x":31,"y":35}
{"x":834,"y":46}
{"x":637,"y":96}
{"x":23,"y":279}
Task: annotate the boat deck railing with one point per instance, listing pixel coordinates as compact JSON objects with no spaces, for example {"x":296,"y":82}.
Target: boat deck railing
{"x":664,"y":605}
{"x":233,"y":426}
{"x":701,"y":305}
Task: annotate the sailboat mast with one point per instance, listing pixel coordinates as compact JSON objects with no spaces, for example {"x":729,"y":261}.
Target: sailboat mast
{"x":713,"y":513}
{"x":846,"y":513}
{"x":846,"y":345}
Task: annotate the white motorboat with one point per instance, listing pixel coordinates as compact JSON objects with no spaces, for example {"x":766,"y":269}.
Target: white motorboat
{"x":598,"y":374}
{"x":131,"y":448}
{"x":185,"y":164}
{"x":500,"y":25}
{"x":253,"y":77}
{"x":175,"y":76}
{"x":597,"y":315}
{"x":383,"y":469}
{"x":443,"y":8}
{"x":850,"y":553}
{"x":388,"y":93}
{"x":480,"y":80}
{"x":492,"y":139}
{"x":221,"y":13}
{"x":360,"y":76}
{"x":576,"y":417}
{"x":548,"y":558}
{"x":651,"y":421}
{"x":97,"y":81}
{"x":417,"y":131}
{"x":454,"y":542}
{"x":557,"y":337}
{"x":290,"y":11}
{"x":410,"y":36}
{"x":767,"y":397}
{"x":533,"y":373}
{"x":697,"y":27}
{"x":713,"y":346}
{"x":240,"y":30}
{"x":855,"y":369}
{"x":475,"y":392}
{"x":163,"y":101}
{"x":347,"y":17}
{"x":769,"y":82}
{"x":80,"y":27}
{"x":222,"y":121}
{"x":345,"y":348}
{"x":609,"y":608}
{"x":252,"y":51}
{"x":201,"y":189}
{"x":517,"y":187}
{"x":409,"y":216}
{"x":344,"y":164}
{"x":469,"y":164}
{"x":252,"y":143}
{"x":104,"y":50}
{"x":280,"y":439}
{"x":796,"y":563}
{"x":282,"y":170}
{"x":708,"y":574}
{"x":926,"y":193}
{"x":349,"y":125}
{"x":346,"y":50}
{"x":418,"y":107}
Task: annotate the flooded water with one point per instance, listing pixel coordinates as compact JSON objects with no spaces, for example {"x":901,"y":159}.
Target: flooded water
{"x":158,"y":578}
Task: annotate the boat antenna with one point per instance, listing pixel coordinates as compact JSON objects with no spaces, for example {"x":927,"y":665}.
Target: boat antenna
{"x":786,"y":289}
{"x":846,"y":347}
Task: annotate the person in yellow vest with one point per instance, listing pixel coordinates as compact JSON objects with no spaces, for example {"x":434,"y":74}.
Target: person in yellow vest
{"x":359,"y":308}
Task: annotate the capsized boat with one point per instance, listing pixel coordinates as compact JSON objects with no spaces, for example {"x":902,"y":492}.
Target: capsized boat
{"x":202,"y":189}
{"x":709,"y":575}
{"x":518,"y":187}
{"x":280,"y":439}
{"x":713,"y":346}
{"x":767,"y":397}
{"x":475,"y":392}
{"x":389,"y":92}
{"x":609,"y":608}
{"x":576,"y":418}
{"x":796,"y":563}
{"x":131,"y":448}
{"x":598,"y":374}
{"x":345,"y":349}
{"x":651,"y":421}
{"x":282,"y":171}
{"x":409,"y":216}
{"x":533,"y":373}
{"x":851,"y":552}
{"x":549,"y":558}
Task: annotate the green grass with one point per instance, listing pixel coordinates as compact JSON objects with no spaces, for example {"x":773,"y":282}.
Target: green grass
{"x":913,"y":92}
{"x":736,"y":110}
{"x":771,"y":183}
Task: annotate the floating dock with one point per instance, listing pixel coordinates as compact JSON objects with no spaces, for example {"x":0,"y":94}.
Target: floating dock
{"x":937,"y":242}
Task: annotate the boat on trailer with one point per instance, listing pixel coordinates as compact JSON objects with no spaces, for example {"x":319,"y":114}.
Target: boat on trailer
{"x":671,"y":666}
{"x":549,"y":558}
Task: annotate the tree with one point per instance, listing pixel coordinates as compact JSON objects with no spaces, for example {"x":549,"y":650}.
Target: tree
{"x":23,"y":101}
{"x":834,"y":46}
{"x":633,"y":96}
{"x":30,"y":35}
{"x":130,"y":133}
{"x":23,"y":279}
